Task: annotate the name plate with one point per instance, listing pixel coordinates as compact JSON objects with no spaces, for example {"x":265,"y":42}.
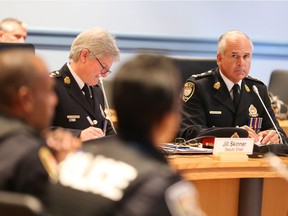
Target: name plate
{"x":229,"y":145}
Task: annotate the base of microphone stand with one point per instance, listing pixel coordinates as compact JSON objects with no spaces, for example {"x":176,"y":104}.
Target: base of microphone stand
{"x":250,"y":197}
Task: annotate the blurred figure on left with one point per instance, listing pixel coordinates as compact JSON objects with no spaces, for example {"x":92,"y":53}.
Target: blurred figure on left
{"x":27,"y":101}
{"x":13,"y":31}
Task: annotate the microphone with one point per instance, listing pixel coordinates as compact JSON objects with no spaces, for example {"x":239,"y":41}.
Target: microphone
{"x":255,"y":89}
{"x":106,"y":104}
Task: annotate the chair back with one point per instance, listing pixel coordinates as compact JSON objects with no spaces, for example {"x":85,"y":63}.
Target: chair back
{"x":191,"y":66}
{"x":278,"y":84}
{"x":15,"y":204}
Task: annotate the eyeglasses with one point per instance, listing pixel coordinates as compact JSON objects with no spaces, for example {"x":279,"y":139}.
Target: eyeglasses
{"x":104,"y":70}
{"x":182,"y":142}
{"x":171,"y":149}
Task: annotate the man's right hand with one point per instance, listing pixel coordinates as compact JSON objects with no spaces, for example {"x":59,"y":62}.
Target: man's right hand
{"x":91,"y":133}
{"x":251,"y":133}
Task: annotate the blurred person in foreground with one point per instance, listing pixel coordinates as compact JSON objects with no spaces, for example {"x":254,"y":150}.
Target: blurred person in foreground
{"x":13,"y":31}
{"x":224,"y":96}
{"x":126,"y":174}
{"x":81,"y":101}
{"x":27,"y":101}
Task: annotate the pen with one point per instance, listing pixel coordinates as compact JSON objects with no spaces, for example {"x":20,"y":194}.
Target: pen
{"x":90,"y":120}
{"x":105,"y":126}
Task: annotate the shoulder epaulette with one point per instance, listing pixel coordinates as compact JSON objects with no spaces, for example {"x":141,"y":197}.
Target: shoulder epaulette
{"x":197,"y":76}
{"x":55,"y":74}
{"x":254,"y":79}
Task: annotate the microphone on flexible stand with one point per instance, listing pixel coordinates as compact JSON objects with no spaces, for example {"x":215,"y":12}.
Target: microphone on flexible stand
{"x":106,"y":103}
{"x":255,"y":89}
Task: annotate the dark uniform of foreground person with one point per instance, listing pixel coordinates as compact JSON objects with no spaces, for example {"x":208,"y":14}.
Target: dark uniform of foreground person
{"x":27,"y":101}
{"x":13,"y":31}
{"x":127,"y":175}
{"x":81,"y":103}
{"x":209,"y":101}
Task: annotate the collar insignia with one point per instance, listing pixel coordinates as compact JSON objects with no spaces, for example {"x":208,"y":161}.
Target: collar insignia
{"x":217,"y":85}
{"x":67,"y":80}
{"x":247,"y":88}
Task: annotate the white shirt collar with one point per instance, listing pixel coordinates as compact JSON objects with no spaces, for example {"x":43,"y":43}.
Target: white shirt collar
{"x":228,"y":82}
{"x":76,"y":77}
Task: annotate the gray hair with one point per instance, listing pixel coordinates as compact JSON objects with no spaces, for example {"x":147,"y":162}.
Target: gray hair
{"x":221,"y":47}
{"x":6,"y":25}
{"x":98,"y":41}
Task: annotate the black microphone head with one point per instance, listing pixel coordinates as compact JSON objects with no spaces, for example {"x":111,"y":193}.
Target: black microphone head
{"x":255,"y":89}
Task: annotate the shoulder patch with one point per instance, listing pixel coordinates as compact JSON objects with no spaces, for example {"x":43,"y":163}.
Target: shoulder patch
{"x":188,"y":90}
{"x":55,"y":74}
{"x":254,"y":79}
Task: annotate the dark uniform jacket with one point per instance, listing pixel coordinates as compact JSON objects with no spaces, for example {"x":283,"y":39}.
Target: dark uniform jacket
{"x":207,"y":103}
{"x":20,"y":167}
{"x":73,"y":109}
{"x":126,"y":180}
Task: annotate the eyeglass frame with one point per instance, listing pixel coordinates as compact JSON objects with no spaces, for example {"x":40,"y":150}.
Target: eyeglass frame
{"x":108,"y":71}
{"x":179,"y":141}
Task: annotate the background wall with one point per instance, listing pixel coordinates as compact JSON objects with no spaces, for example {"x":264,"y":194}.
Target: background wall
{"x":177,"y":28}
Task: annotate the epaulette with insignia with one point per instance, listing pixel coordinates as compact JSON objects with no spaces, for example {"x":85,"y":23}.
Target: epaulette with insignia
{"x":254,"y":79}
{"x":55,"y":74}
{"x":204,"y":74}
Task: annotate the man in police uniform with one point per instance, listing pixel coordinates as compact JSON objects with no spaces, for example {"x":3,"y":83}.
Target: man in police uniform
{"x":127,"y":175}
{"x":81,"y":102}
{"x":209,"y":99}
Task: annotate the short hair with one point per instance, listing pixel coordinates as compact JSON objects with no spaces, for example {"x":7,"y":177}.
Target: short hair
{"x":5,"y":24}
{"x":221,"y":47}
{"x":17,"y":68}
{"x":97,"y":40}
{"x":144,"y":90}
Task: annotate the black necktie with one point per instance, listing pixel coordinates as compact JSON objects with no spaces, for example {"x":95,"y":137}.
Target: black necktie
{"x":236,"y":95}
{"x":88,"y":94}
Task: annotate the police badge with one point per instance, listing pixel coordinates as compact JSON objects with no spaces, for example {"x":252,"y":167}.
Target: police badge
{"x":254,"y":121}
{"x":252,"y":111}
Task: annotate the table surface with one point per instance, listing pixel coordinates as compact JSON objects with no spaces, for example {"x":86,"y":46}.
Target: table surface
{"x":197,"y":167}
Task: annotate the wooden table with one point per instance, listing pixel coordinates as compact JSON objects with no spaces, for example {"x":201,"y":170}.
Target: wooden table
{"x":219,"y":184}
